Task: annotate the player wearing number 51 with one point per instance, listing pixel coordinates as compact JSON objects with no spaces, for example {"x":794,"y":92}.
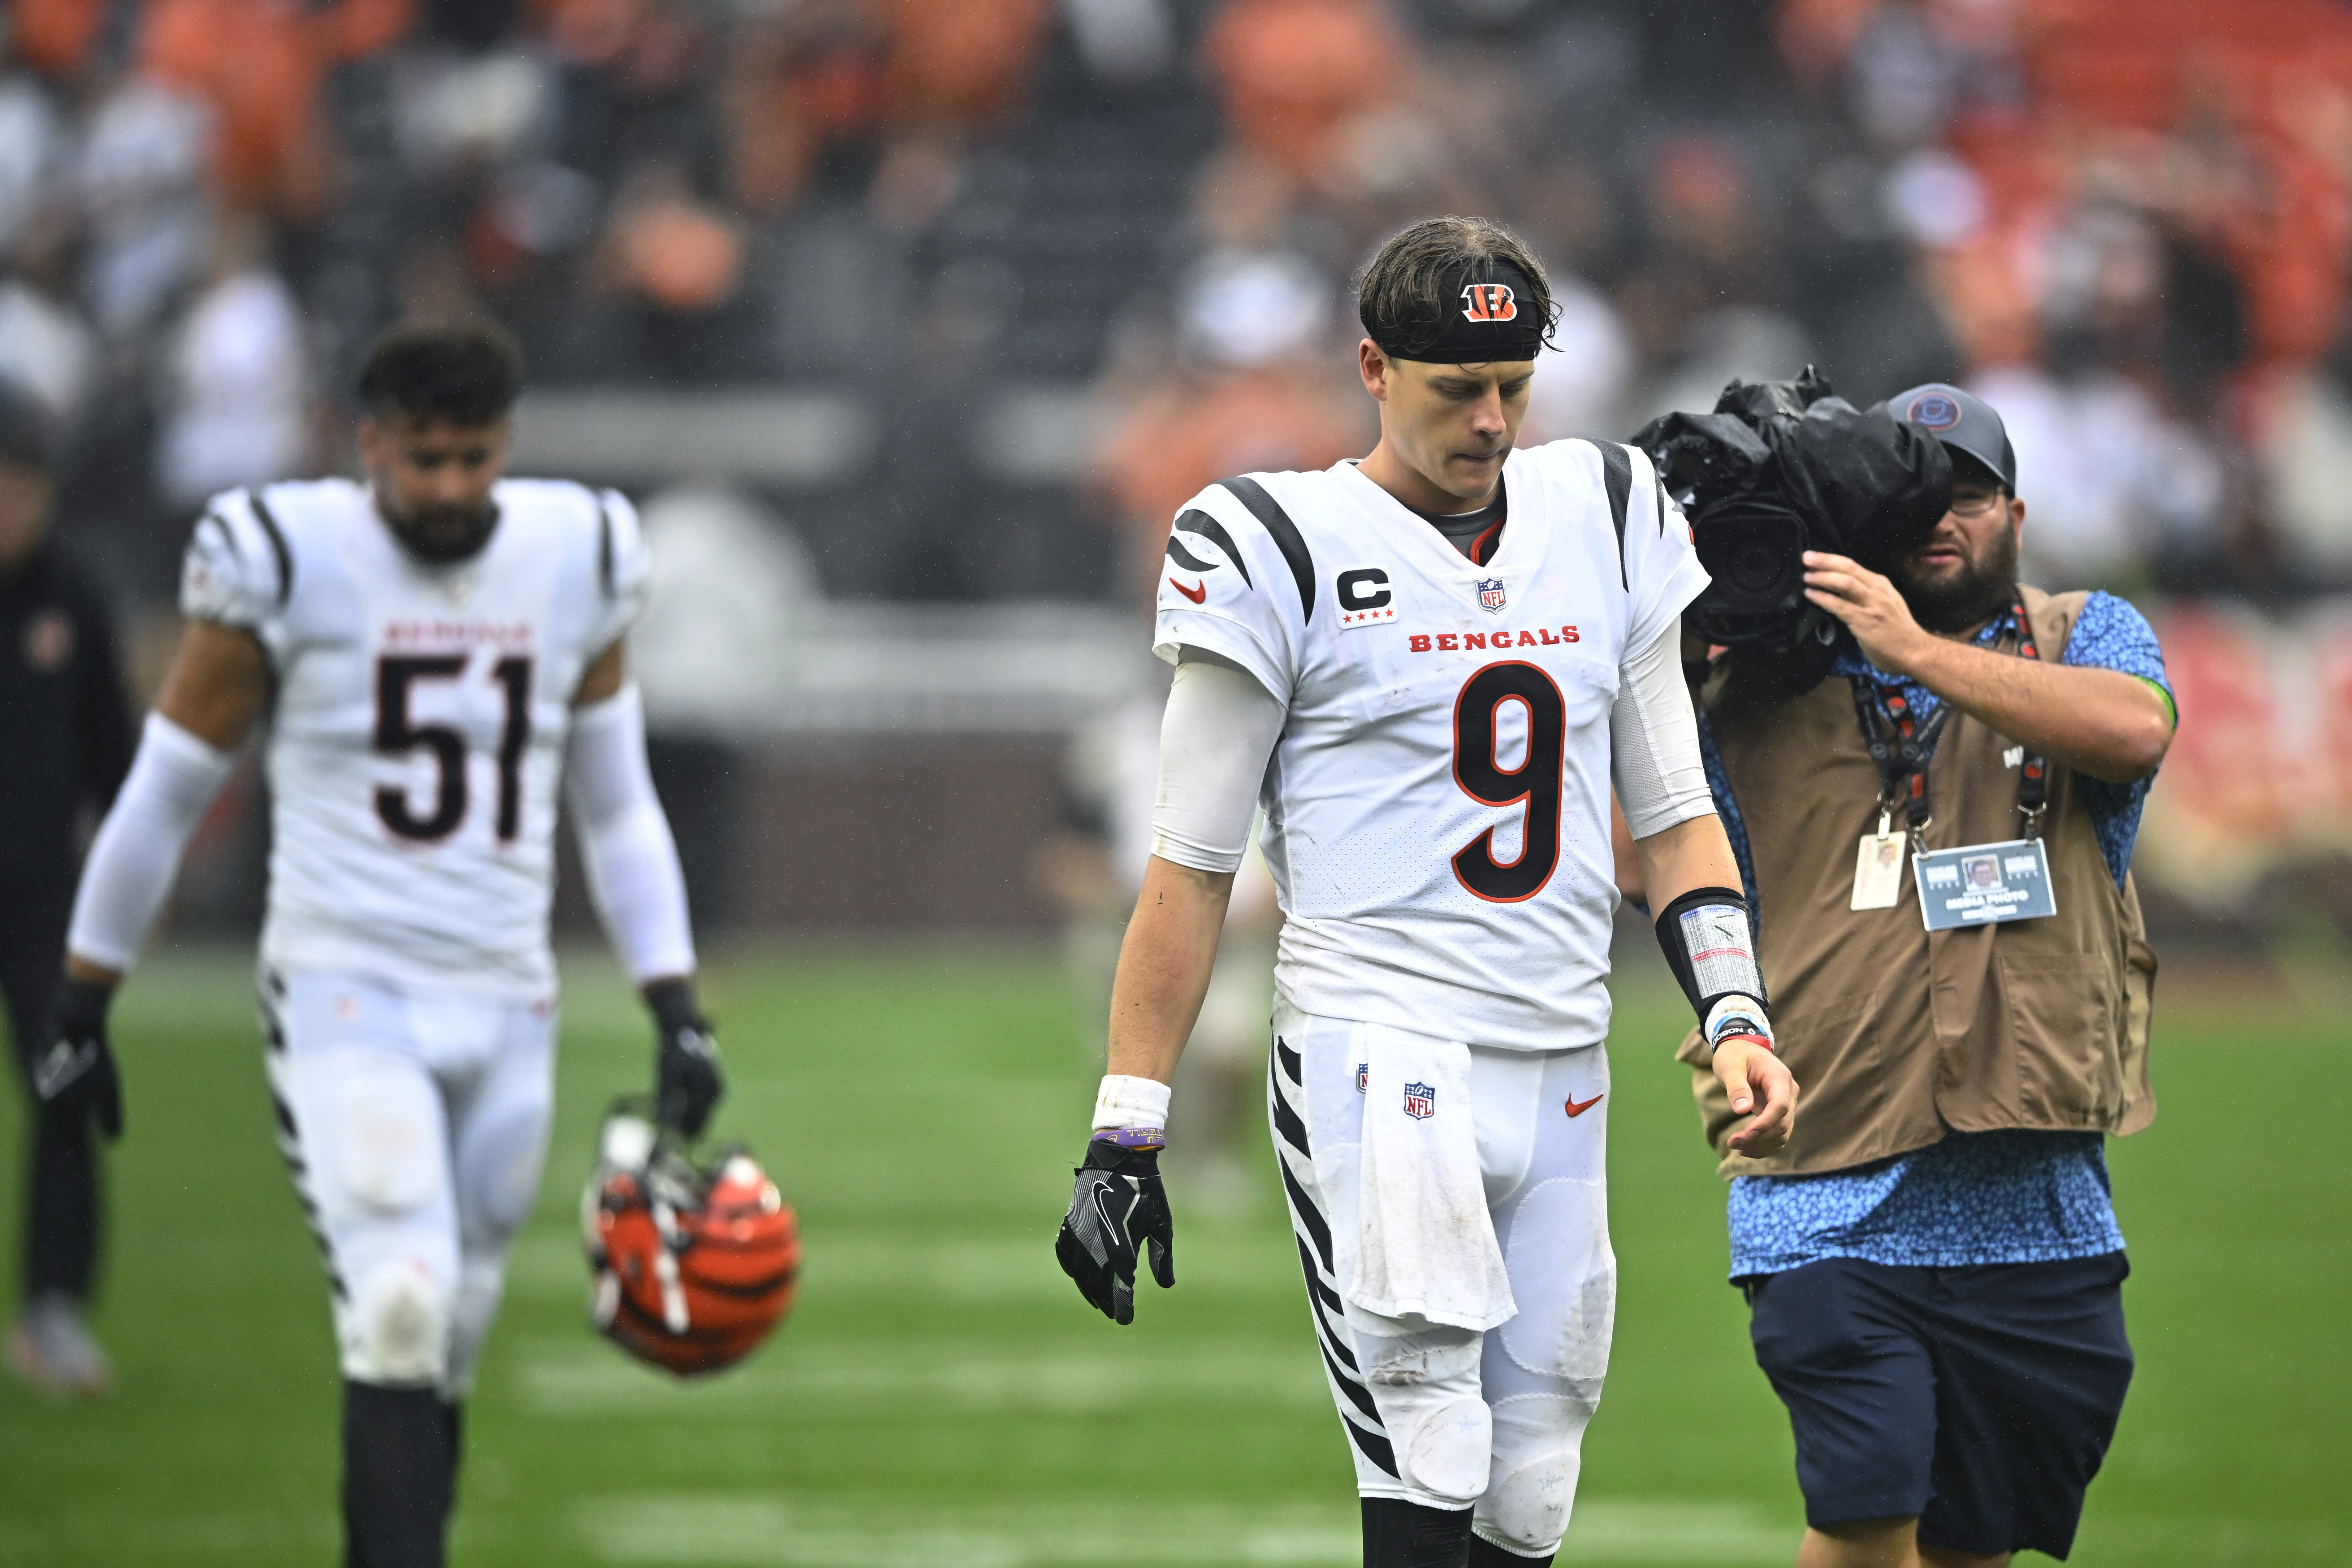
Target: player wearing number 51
{"x":1429,"y":667}
{"x":1933,"y":776}
{"x":436,"y":649}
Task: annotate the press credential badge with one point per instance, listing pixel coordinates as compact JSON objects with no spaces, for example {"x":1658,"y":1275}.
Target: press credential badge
{"x":1878,"y":869}
{"x":1978,"y":885}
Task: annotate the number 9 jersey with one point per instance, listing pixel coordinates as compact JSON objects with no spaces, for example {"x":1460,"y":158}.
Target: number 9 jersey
{"x":417,"y":735}
{"x":1437,"y":804}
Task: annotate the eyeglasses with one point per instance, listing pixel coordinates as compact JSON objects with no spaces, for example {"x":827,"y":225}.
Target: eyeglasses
{"x":1975,"y":505}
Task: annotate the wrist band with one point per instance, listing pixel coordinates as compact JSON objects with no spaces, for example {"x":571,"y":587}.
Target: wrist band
{"x":1132,"y":1137}
{"x":1737,"y":1017}
{"x":1125,"y":1102}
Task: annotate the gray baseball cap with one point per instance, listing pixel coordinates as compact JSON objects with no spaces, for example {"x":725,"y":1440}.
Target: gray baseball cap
{"x":1963,"y":422}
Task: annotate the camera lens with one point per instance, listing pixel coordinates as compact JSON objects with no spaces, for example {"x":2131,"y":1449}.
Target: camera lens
{"x":1757,"y":564}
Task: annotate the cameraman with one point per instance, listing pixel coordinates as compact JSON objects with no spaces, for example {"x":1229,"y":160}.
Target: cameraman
{"x":1932,"y":1267}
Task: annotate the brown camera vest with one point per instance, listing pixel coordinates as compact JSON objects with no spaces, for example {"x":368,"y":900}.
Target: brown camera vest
{"x":1896,"y":1035}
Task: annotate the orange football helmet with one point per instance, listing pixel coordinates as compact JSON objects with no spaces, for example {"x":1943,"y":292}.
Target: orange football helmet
{"x":693,"y":1265}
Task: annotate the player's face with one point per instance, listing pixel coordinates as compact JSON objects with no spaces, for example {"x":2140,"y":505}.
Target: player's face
{"x":23,"y":512}
{"x":433,"y":479}
{"x":1967,"y":569}
{"x":1452,"y":423}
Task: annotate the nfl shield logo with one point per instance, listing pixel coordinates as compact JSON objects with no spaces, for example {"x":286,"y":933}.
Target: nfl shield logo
{"x":1420,"y":1101}
{"x":1490,"y":594}
{"x":1363,"y":1075}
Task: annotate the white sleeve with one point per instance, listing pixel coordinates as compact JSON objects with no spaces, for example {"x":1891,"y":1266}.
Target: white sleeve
{"x":624,"y":839}
{"x":1654,"y":755}
{"x":1663,"y":573}
{"x":624,"y":567}
{"x":238,"y":569}
{"x":133,"y":862}
{"x":1226,"y":588}
{"x":1214,"y":740}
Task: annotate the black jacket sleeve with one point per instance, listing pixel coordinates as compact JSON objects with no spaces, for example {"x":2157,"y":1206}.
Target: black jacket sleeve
{"x":102,"y":717}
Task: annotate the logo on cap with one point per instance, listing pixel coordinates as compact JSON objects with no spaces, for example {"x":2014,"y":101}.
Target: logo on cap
{"x":1937,"y":411}
{"x":1489,"y":302}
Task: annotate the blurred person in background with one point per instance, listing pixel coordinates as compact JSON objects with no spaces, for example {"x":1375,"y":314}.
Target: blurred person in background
{"x":1932,"y":1267}
{"x":1438,"y":827}
{"x":65,"y":729}
{"x":236,"y":411}
{"x":733,"y":605}
{"x":437,"y":651}
{"x":1093,"y":867}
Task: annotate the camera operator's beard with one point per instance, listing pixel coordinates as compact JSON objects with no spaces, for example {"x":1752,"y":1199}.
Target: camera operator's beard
{"x":1980,"y":590}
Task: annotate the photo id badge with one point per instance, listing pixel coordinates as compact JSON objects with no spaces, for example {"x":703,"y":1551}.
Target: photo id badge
{"x":1878,"y":871}
{"x":1980,"y":884}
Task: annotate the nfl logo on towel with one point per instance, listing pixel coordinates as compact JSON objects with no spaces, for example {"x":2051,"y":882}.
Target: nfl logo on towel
{"x":1363,"y":1075}
{"x":1420,"y":1101}
{"x":1490,"y":594}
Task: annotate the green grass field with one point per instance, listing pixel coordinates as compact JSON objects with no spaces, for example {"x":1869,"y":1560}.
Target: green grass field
{"x":942,"y":1396}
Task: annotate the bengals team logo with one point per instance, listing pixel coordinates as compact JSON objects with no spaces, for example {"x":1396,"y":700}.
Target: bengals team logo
{"x":1490,"y":302}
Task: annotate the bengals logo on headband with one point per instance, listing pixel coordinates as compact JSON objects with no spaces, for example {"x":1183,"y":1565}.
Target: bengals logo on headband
{"x":1489,"y":302}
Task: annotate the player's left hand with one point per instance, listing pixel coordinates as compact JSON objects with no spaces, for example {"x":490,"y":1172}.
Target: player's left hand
{"x":1118,"y":1203}
{"x":1755,"y":1077}
{"x":1871,"y":606}
{"x":74,"y":1074}
{"x":688,"y":1083}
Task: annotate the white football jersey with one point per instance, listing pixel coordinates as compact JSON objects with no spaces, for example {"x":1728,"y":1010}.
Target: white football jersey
{"x":1437,"y":806}
{"x":418,"y":738}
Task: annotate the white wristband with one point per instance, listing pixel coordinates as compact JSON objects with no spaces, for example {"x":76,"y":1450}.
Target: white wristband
{"x":1125,"y":1102}
{"x":1734,"y":1010}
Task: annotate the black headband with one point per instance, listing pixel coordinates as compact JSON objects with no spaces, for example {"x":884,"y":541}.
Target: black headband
{"x":1489,"y":311}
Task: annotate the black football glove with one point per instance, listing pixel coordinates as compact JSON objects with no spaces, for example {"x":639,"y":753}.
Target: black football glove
{"x":1118,"y":1203}
{"x":73,"y":1074}
{"x":687,"y":1080}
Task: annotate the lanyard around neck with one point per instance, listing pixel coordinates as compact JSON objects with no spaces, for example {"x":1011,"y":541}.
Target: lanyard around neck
{"x":1902,"y":745}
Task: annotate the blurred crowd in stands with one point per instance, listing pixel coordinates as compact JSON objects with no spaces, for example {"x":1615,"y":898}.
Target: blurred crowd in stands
{"x":2124,"y":221}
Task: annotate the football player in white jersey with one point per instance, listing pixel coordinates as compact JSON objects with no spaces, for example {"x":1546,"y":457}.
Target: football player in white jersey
{"x":436,"y":649}
{"x":1430,"y":667}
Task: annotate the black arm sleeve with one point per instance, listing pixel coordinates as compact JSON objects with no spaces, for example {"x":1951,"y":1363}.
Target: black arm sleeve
{"x":1707,"y":938}
{"x":103,"y":719}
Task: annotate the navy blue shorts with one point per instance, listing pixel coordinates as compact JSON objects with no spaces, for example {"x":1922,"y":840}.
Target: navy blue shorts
{"x":1979,"y":1401}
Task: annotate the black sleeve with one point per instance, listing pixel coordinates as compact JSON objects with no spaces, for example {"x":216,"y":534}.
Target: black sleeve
{"x":103,"y":719}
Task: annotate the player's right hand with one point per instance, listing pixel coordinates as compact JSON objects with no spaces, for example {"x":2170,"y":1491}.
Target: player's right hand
{"x":73,"y":1073}
{"x":688,"y":1083}
{"x":1118,"y":1204}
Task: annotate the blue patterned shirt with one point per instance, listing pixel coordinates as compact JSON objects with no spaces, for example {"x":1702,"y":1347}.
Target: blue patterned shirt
{"x":1974,"y":1199}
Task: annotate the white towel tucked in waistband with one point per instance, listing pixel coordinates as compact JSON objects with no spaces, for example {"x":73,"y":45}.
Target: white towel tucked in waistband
{"x":1425,"y":1243}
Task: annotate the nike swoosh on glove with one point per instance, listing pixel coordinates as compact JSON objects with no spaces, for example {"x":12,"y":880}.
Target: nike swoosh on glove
{"x":74,"y":1076}
{"x":688,"y":1083}
{"x":1118,"y":1204}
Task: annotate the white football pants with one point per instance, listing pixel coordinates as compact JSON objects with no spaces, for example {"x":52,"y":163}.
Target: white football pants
{"x":1451,"y":1417}
{"x":414,"y":1126}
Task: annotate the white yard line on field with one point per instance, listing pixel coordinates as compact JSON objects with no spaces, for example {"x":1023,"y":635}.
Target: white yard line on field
{"x":585,"y":1377}
{"x":736,"y":1530}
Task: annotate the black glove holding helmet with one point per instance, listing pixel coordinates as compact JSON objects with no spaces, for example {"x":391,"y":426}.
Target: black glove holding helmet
{"x":687,"y":1080}
{"x":73,"y":1073}
{"x":1782,"y":468}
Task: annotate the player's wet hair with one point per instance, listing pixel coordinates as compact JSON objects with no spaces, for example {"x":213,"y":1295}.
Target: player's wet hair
{"x":1408,"y":297}
{"x":467,"y":374}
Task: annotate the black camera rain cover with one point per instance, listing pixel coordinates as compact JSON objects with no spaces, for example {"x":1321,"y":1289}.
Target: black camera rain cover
{"x":1858,"y":482}
{"x":1868,"y":485}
